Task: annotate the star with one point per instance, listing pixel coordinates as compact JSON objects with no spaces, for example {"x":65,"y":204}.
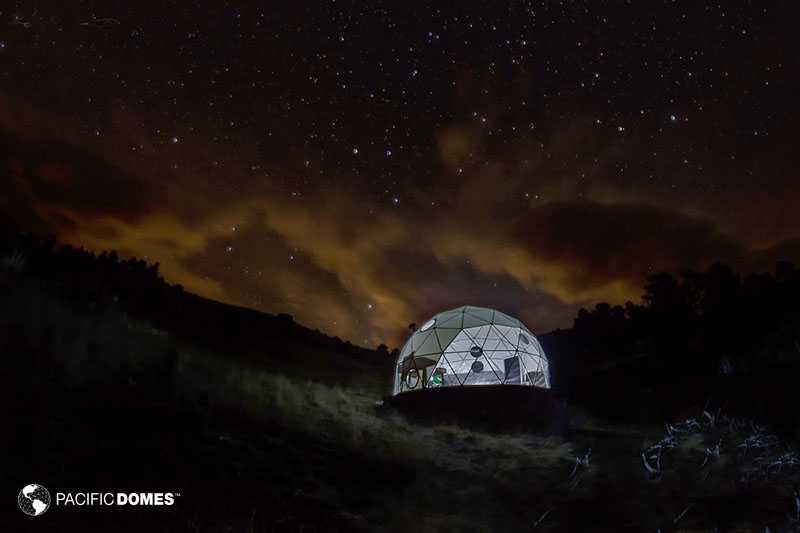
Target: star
{"x":314,"y":146}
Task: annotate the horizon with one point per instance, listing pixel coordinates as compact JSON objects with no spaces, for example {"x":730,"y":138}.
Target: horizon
{"x":402,"y":334}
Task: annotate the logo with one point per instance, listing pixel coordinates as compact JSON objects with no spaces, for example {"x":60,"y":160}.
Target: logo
{"x":33,"y":499}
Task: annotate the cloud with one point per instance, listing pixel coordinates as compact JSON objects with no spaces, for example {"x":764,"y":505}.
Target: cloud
{"x":534,"y":228}
{"x":600,"y":245}
{"x":61,"y":183}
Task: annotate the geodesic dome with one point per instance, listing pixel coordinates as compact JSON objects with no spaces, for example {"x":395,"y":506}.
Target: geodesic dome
{"x":471,"y":346}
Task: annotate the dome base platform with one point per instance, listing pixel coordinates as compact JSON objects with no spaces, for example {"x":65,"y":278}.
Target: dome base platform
{"x":484,"y":407}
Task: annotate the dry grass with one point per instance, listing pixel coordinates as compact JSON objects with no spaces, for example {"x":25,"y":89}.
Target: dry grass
{"x":348,"y":418}
{"x":321,"y":448}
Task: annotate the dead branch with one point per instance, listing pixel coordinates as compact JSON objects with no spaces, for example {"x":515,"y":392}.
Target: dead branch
{"x":797,"y":504}
{"x":712,"y":419}
{"x":759,"y":442}
{"x":711,"y":453}
{"x":654,"y":472}
{"x":581,"y":463}
{"x":788,"y":459}
{"x":541,"y":518}
{"x":682,"y":513}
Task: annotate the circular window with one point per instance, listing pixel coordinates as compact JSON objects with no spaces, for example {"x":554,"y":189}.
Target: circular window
{"x":477,"y":366}
{"x":412,"y":378}
{"x":523,"y":339}
{"x":428,"y":325}
{"x":476,"y":351}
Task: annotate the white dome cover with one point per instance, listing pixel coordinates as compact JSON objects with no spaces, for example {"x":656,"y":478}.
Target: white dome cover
{"x":471,"y":346}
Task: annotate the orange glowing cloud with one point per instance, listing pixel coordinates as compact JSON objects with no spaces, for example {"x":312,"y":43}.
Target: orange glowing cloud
{"x":535,"y":228}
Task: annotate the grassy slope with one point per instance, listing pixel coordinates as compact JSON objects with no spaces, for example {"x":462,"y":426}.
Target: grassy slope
{"x":104,"y":402}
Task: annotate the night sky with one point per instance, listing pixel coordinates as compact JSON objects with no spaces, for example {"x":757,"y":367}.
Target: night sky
{"x":363,"y":165}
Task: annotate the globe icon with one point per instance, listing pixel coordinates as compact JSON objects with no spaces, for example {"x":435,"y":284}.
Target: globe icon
{"x":33,"y":499}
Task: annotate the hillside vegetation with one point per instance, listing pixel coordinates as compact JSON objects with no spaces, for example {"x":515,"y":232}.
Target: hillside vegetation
{"x":104,"y":398}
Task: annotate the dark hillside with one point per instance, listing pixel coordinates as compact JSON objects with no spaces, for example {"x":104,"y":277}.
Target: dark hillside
{"x":710,"y":337}
{"x":110,"y":391}
{"x":272,"y":342}
{"x":108,"y":402}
